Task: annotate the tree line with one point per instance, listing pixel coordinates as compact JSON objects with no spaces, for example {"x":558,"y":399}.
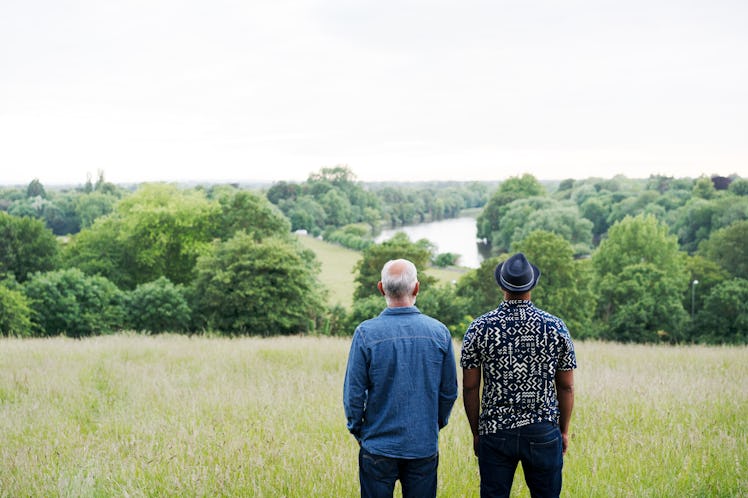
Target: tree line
{"x":661,"y":259}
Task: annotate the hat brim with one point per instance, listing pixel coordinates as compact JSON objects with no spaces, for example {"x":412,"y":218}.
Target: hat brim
{"x":524,"y":288}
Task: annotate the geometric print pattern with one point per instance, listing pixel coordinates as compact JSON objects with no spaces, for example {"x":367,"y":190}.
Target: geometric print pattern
{"x":519,"y":348}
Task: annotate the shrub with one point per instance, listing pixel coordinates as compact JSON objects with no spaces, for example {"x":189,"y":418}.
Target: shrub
{"x":72,"y":303}
{"x":724,"y":317}
{"x":15,"y":313}
{"x":264,"y":287}
{"x":158,"y":306}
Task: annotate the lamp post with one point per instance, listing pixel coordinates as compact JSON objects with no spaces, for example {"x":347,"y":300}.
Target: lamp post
{"x":693,"y":295}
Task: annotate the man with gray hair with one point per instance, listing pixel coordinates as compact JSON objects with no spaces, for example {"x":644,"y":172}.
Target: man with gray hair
{"x":400,"y":386}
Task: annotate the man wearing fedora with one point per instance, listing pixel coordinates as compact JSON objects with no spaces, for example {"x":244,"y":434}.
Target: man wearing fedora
{"x":526,"y":359}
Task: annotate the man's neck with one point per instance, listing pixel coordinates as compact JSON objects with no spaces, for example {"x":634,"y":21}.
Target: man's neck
{"x":400,"y":303}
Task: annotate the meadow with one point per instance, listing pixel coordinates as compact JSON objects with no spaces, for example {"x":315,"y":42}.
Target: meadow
{"x":169,"y":415}
{"x":337,"y":269}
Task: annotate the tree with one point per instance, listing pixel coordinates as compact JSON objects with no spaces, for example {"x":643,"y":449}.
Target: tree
{"x":337,"y":207}
{"x":693,"y":223}
{"x":489,"y":221}
{"x":641,"y":277}
{"x":724,"y":317}
{"x":708,"y":274}
{"x":369,"y":268}
{"x":307,"y":214}
{"x":739,"y":186}
{"x":283,"y":191}
{"x":36,"y":189}
{"x":26,"y":246}
{"x":642,"y":304}
{"x":442,"y":303}
{"x":245,"y":286}
{"x":158,"y":306}
{"x":728,"y":247}
{"x":597,"y":210}
{"x":159,"y":230}
{"x":543,"y":213}
{"x":75,"y":304}
{"x":564,"y":288}
{"x":90,"y":207}
{"x":245,"y":211}
{"x":704,"y":188}
{"x":478,"y":287}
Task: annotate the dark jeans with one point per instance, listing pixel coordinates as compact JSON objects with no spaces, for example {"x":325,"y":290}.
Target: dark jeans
{"x":537,"y":446}
{"x":377,"y":475}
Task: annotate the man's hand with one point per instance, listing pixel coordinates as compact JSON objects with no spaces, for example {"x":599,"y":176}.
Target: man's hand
{"x":476,"y":440}
{"x":564,"y":441}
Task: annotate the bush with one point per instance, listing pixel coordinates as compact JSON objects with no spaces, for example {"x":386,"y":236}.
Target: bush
{"x":15,"y":313}
{"x":264,"y":287}
{"x":158,"y":306}
{"x":72,"y":303}
{"x":363,"y":309}
{"x":442,"y":303}
{"x":724,"y":317}
{"x":445,"y":259}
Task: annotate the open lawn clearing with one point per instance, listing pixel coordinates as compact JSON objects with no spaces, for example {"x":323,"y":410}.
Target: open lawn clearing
{"x":337,"y":272}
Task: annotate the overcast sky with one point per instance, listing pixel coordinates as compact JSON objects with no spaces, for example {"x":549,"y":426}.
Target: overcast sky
{"x":167,"y":90}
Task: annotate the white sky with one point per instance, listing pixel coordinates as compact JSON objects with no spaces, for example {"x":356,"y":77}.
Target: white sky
{"x":271,"y":90}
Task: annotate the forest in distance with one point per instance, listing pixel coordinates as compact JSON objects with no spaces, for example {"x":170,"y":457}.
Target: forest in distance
{"x":661,"y":259}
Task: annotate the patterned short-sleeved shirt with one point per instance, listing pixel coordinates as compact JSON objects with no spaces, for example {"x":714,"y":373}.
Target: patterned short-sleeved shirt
{"x":520,"y":348}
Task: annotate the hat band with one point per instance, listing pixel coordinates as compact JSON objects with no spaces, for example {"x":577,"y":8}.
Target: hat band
{"x":517,"y":287}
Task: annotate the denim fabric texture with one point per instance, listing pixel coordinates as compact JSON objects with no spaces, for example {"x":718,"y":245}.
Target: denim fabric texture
{"x":537,"y":446}
{"x":400,"y":383}
{"x":377,"y":475}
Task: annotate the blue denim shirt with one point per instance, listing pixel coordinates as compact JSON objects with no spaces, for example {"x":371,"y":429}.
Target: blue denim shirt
{"x":400,"y":383}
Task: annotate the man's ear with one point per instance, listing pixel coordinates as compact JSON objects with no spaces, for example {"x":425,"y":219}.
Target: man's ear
{"x":380,"y":287}
{"x":416,"y":288}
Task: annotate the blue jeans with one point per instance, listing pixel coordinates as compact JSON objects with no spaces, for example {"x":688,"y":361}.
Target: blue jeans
{"x":377,"y":475}
{"x":537,"y":446}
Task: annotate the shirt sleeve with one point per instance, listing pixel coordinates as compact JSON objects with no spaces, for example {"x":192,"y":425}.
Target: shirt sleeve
{"x":355,"y":385}
{"x":469,"y":356}
{"x":448,"y":388}
{"x":567,"y":357}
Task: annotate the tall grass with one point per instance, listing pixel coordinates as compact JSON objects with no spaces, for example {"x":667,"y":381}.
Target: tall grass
{"x":131,"y":415}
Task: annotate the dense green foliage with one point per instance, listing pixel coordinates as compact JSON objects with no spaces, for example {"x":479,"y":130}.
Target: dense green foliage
{"x":159,"y":230}
{"x":369,"y":268}
{"x":158,"y":306}
{"x":263,"y":287}
{"x":331,"y":200}
{"x":15,"y":312}
{"x":72,"y":303}
{"x":565,"y":283}
{"x":649,"y":260}
{"x":26,"y":246}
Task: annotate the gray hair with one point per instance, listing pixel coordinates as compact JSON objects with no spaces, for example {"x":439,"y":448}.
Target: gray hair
{"x":399,"y":278}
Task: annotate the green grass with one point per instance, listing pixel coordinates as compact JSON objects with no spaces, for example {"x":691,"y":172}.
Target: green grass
{"x":337,"y":269}
{"x":131,"y":415}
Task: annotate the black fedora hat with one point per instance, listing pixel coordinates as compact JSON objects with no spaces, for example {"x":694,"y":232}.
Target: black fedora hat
{"x":516,"y":274}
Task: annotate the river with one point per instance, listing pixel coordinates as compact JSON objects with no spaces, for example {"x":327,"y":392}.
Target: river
{"x":455,"y":235}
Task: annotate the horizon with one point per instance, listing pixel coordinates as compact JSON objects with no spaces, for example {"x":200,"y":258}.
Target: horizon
{"x":262,"y":183}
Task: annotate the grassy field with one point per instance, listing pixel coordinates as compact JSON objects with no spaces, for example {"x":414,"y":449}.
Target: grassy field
{"x":337,"y":269}
{"x":131,"y":415}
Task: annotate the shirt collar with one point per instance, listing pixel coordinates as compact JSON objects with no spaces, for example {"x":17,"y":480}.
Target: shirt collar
{"x":400,"y":310}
